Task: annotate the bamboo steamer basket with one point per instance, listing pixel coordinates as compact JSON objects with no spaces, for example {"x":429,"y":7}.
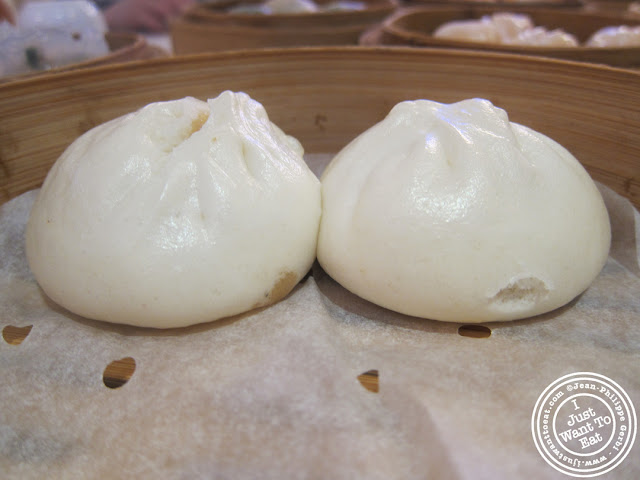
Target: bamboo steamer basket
{"x":327,"y":96}
{"x":615,"y":6}
{"x":217,"y":12}
{"x":126,"y":47}
{"x":210,"y":27}
{"x":509,"y":4}
{"x":123,"y":47}
{"x":196,"y":37}
{"x":414,"y":26}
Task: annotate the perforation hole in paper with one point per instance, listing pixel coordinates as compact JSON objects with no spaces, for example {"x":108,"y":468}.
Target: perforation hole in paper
{"x":15,"y":335}
{"x":474,"y":331}
{"x":370,"y":380}
{"x":119,"y":372}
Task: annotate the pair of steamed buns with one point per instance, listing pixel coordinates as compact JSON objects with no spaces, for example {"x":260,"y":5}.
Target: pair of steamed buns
{"x":189,"y":211}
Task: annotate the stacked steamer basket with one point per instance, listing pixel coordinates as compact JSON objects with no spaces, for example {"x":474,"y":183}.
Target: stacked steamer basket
{"x":623,"y":7}
{"x":510,"y":4}
{"x":216,"y":26}
{"x":123,"y":47}
{"x":415,"y":26}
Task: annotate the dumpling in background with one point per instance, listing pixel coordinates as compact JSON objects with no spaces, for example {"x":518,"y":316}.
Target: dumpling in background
{"x":505,"y":28}
{"x":295,"y":6}
{"x":621,"y":36}
{"x":541,"y":37}
{"x":249,"y":8}
{"x":633,"y":8}
{"x":481,"y":30}
{"x":509,"y":25}
{"x":497,"y":28}
{"x":343,"y":6}
{"x":291,"y":6}
{"x":52,"y":34}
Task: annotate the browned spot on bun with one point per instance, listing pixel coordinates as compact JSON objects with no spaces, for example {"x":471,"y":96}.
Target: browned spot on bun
{"x":285,"y":283}
{"x":282,"y":287}
{"x":198,"y":122}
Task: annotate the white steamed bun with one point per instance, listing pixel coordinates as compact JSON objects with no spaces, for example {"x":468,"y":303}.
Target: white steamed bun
{"x":541,"y":37}
{"x":504,"y":28}
{"x":182,"y":212}
{"x":454,"y":213}
{"x":481,"y":30}
{"x":620,"y":36}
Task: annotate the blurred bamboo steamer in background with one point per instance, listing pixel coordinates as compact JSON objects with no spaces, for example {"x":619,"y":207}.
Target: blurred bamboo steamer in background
{"x":623,"y":7}
{"x":213,"y":27}
{"x":123,"y":47}
{"x":414,"y":26}
{"x":504,"y":4}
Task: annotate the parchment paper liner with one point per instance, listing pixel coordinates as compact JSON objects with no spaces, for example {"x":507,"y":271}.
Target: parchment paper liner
{"x":274,"y":393}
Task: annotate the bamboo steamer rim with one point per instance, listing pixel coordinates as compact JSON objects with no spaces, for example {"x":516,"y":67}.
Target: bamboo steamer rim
{"x":131,"y":41}
{"x":101,"y":85}
{"x":371,"y":37}
{"x":214,"y":11}
{"x":202,"y":17}
{"x":129,"y":46}
{"x":380,"y":51}
{"x":202,"y":29}
{"x":392,"y":25}
{"x":265,"y":34}
{"x":554,"y":4}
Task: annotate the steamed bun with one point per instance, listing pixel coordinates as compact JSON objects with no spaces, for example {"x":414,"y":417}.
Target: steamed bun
{"x":541,"y":37}
{"x":182,"y":212}
{"x":504,"y":28}
{"x":482,"y":31}
{"x":454,"y":213}
{"x":497,"y":28}
{"x":620,"y":36}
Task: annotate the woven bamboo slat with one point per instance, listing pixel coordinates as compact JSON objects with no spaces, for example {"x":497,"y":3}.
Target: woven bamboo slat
{"x":327,"y":96}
